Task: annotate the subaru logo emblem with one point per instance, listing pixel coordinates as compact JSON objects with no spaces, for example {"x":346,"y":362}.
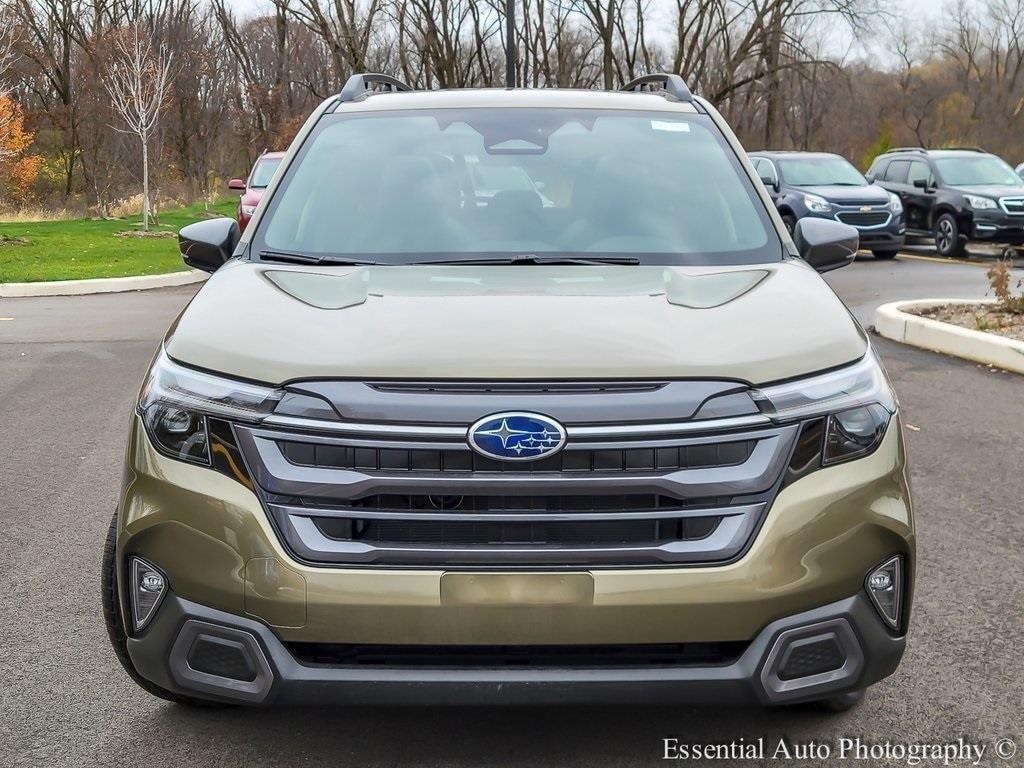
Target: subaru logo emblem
{"x":516,"y":436}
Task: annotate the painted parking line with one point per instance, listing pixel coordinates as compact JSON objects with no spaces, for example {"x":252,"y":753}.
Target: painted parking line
{"x":939,"y":260}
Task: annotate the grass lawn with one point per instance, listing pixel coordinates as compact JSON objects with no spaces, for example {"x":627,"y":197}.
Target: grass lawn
{"x":74,"y":249}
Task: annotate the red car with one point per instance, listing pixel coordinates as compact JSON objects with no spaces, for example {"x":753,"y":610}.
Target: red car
{"x":252,"y":190}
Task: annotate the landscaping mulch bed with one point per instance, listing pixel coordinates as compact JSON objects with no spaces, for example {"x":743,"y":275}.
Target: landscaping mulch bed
{"x":150,"y":233}
{"x":978,"y":317}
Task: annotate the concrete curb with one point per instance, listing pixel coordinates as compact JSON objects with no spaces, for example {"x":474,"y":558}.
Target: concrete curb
{"x":100,"y":285}
{"x":893,"y":322}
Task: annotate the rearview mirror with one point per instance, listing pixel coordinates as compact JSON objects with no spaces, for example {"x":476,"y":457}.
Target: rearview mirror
{"x":206,"y":245}
{"x":826,"y":244}
{"x":238,"y":184}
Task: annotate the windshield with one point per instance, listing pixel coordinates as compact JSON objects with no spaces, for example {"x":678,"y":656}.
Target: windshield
{"x":400,"y":187}
{"x":264,"y":172}
{"x":977,"y":171}
{"x":820,"y":172}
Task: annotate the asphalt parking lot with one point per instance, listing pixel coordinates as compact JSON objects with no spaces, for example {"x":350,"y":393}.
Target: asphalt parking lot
{"x":69,"y":373}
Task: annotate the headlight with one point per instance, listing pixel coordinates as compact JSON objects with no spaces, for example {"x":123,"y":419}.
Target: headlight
{"x":176,"y":400}
{"x":894,"y":203}
{"x":845,"y":411}
{"x":248,"y":210}
{"x":980,"y":203}
{"x":817,"y":204}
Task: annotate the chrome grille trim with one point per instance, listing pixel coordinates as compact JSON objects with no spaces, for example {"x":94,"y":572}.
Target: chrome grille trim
{"x":437,"y":431}
{"x":727,"y":540}
{"x":512,"y":517}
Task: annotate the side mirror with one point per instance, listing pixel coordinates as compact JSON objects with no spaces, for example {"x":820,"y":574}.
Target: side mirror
{"x":921,"y":183}
{"x":870,"y":178}
{"x":768,"y":181}
{"x":206,"y":245}
{"x":826,"y":244}
{"x":238,"y":184}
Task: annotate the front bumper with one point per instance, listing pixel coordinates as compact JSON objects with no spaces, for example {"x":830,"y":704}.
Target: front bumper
{"x":998,"y":227}
{"x":890,"y":239}
{"x":161,"y":655}
{"x":226,"y":566}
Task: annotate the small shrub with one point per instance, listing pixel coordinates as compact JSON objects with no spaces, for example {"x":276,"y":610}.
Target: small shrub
{"x":1010,"y":295}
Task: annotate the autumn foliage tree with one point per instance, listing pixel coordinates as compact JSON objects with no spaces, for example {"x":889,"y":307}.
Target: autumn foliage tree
{"x":18,"y":168}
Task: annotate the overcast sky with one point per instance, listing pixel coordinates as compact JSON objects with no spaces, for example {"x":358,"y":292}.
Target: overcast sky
{"x":917,"y":10}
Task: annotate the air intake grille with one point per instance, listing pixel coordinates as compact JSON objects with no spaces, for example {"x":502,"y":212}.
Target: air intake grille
{"x":813,"y":657}
{"x":537,"y":656}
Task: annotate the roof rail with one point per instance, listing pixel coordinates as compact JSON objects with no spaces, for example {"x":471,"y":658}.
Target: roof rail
{"x":964,"y":149}
{"x":674,"y":85}
{"x":359,"y":84}
{"x":904,"y":149}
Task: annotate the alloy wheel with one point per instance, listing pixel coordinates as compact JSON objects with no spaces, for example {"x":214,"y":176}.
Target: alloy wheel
{"x":946,"y":235}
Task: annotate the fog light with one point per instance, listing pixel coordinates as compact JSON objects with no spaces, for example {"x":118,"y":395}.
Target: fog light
{"x":885,"y":587}
{"x":880,"y":581}
{"x":148,"y":586}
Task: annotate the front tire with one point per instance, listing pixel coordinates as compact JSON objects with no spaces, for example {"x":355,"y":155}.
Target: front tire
{"x":115,"y":628}
{"x":790,"y":221}
{"x":948,"y":239}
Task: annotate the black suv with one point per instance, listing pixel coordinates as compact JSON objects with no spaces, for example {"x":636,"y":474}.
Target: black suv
{"x":827,"y":186}
{"x":954,"y":195}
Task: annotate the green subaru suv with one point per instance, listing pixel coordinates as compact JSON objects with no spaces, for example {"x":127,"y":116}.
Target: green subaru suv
{"x":509,"y":396}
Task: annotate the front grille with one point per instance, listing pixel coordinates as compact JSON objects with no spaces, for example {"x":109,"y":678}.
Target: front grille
{"x":723,"y":454}
{"x":532,"y":656}
{"x":1013,"y":205}
{"x":863,"y":218}
{"x":634,"y":493}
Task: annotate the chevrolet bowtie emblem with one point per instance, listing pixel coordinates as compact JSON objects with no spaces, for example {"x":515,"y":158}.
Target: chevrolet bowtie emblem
{"x":865,"y":208}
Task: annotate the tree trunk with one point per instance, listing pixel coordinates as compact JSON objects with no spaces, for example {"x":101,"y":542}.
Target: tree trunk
{"x":145,"y":183}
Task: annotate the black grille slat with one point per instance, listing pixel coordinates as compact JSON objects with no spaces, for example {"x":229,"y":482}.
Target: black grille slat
{"x":551,"y":656}
{"x":327,"y":456}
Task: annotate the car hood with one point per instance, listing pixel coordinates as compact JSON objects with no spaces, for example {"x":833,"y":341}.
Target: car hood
{"x":278,"y":323}
{"x":991,"y":190}
{"x":867,"y":195}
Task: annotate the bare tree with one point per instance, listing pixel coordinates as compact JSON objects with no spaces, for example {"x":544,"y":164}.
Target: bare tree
{"x":136,"y":81}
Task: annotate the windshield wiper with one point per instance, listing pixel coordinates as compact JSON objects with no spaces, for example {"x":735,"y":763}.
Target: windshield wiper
{"x":533,"y":258}
{"x":291,"y":257}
